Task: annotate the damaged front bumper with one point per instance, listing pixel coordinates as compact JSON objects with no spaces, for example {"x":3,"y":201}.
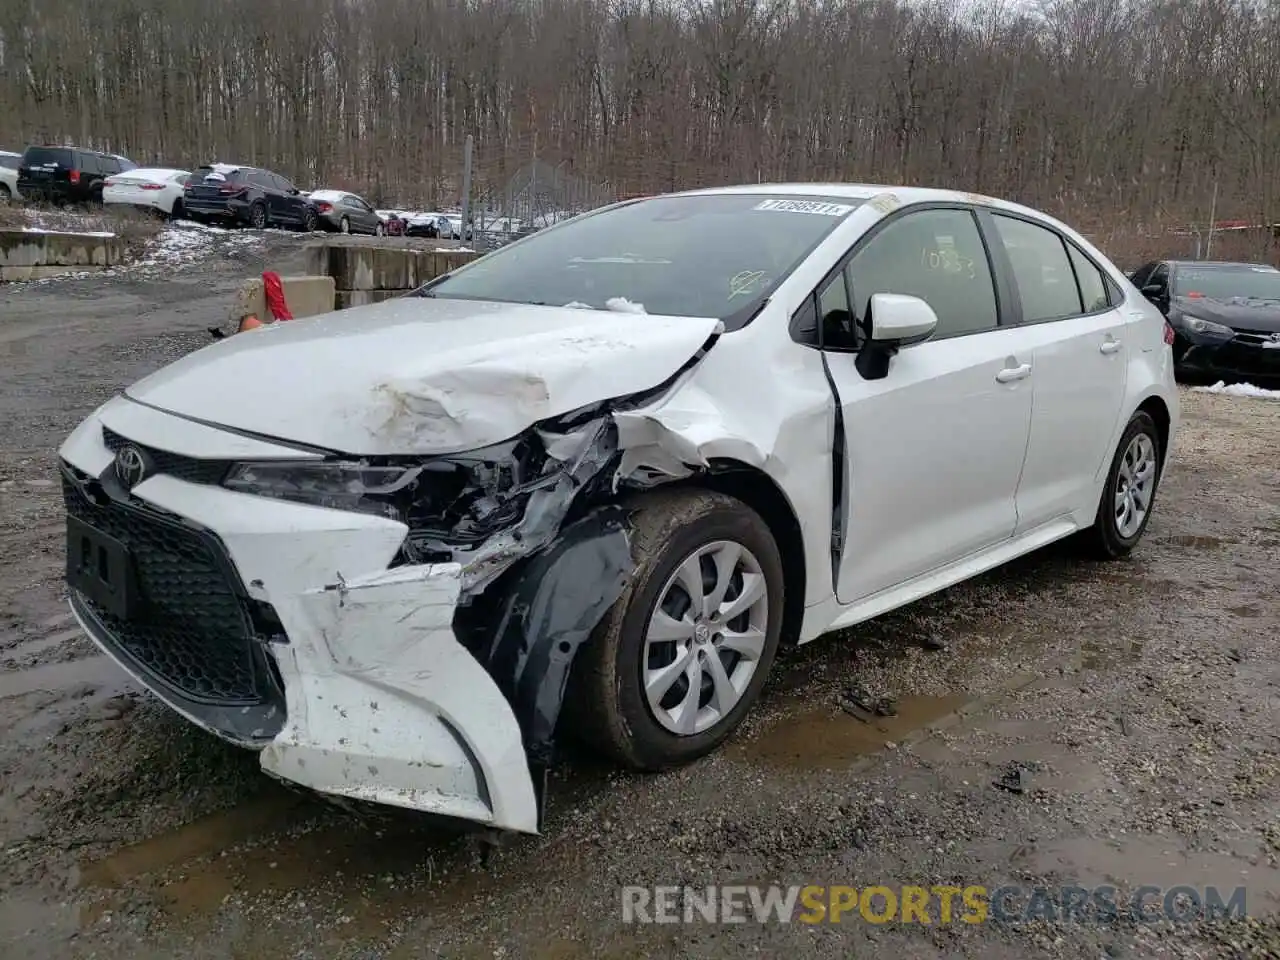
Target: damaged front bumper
{"x":429,"y":685}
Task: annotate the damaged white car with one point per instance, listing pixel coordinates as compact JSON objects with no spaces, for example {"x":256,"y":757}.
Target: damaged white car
{"x":588,"y":483}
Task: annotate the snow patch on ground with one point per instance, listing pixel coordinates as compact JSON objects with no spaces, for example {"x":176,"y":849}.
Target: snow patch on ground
{"x":1239,"y":390}
{"x":182,"y":243}
{"x":68,"y":233}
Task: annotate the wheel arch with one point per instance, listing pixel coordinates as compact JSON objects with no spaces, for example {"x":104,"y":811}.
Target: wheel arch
{"x":761,"y":493}
{"x":1155,"y":407}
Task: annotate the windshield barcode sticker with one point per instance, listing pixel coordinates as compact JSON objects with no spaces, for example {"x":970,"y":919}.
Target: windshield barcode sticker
{"x":805,"y":206}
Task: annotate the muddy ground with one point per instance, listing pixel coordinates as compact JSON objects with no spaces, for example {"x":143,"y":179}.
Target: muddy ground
{"x":1139,"y":698}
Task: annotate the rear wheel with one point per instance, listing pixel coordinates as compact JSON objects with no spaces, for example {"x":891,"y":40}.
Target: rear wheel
{"x":309,"y":221}
{"x":344,"y":226}
{"x":178,"y":211}
{"x":1130,"y":491}
{"x":258,"y":216}
{"x":6,"y":196}
{"x":678,"y":661}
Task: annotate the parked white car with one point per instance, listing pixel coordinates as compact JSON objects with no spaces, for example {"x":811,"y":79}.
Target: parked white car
{"x":148,"y":188}
{"x":9,"y":164}
{"x":607,"y":468}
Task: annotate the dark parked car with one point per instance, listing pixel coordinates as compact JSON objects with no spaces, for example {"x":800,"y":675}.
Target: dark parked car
{"x":1225,"y":316}
{"x":346,"y":213}
{"x":248,"y":195}
{"x":67,"y":174}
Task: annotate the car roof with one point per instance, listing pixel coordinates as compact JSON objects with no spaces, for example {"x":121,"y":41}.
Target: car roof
{"x":1220,"y":264}
{"x":166,"y":171}
{"x":865,"y":191}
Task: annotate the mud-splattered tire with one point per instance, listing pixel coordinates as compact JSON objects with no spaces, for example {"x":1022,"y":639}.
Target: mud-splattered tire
{"x":1129,"y":495}
{"x":608,"y":704}
{"x":258,"y":216}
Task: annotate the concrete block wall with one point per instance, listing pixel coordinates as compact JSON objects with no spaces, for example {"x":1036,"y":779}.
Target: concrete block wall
{"x":365,"y":273}
{"x":34,"y":256}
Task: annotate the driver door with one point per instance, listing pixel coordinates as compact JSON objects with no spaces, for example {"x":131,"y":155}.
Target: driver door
{"x":933,"y":451}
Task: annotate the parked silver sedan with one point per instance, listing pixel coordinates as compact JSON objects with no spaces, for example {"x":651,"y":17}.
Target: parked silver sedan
{"x":341,"y":212}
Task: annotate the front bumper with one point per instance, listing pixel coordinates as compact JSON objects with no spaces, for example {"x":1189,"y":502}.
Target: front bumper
{"x":281,"y":626}
{"x":1254,"y":357}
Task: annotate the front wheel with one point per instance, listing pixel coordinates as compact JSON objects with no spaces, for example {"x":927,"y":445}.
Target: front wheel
{"x":258,"y":216}
{"x":678,"y":661}
{"x":1130,"y":491}
{"x":379,"y":231}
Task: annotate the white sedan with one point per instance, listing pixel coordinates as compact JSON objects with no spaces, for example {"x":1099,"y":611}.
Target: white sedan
{"x":588,"y":483}
{"x":158,"y":189}
{"x":9,"y":164}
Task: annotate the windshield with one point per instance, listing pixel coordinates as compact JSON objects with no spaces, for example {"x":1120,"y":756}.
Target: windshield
{"x":1225,"y":283}
{"x":714,"y":255}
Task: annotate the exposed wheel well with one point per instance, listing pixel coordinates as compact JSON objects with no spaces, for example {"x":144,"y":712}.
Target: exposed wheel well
{"x":1156,"y":409}
{"x":757,"y":490}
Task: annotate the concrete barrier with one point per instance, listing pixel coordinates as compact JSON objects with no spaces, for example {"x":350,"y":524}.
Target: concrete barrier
{"x":305,"y":296}
{"x":365,"y":273}
{"x":27,"y":255}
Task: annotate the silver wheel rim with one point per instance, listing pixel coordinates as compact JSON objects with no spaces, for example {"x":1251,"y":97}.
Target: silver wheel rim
{"x":1135,"y":485}
{"x":346,"y":226}
{"x":704,"y":638}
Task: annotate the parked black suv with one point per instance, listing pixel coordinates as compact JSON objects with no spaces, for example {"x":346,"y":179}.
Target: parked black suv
{"x":67,"y":174}
{"x":250,"y":195}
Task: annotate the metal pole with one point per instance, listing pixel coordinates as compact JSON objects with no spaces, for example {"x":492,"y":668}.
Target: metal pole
{"x":1213,"y":213}
{"x":466,"y":189}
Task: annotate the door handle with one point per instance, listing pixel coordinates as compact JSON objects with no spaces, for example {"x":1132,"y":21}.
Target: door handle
{"x":1010,"y":374}
{"x":1109,"y":346}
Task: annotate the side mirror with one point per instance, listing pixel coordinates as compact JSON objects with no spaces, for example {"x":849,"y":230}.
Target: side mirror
{"x":1153,"y":291}
{"x":897,"y":320}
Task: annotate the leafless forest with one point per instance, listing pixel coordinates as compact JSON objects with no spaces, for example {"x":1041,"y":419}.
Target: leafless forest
{"x":1108,"y":112}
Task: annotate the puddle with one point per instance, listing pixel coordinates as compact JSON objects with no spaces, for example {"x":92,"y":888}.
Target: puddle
{"x":1196,"y":542}
{"x":829,"y":738}
{"x":97,"y":672}
{"x":33,"y":648}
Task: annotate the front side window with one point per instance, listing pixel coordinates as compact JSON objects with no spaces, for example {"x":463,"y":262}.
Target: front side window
{"x":1041,"y":269}
{"x":711,"y":255}
{"x":936,"y":255}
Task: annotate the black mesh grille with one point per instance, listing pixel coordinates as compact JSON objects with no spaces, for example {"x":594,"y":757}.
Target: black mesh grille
{"x":192,"y":630}
{"x":190,"y":469}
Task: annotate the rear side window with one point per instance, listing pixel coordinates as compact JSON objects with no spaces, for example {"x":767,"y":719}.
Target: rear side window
{"x":1093,"y":287}
{"x":1041,"y":268}
{"x":88,"y":163}
{"x":123,"y":165}
{"x":260,"y":178}
{"x":49,"y":156}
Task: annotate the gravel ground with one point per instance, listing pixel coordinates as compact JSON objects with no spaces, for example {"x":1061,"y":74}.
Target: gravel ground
{"x":1137,"y":699}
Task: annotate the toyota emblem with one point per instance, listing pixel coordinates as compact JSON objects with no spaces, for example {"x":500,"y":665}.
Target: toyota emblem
{"x":131,"y":466}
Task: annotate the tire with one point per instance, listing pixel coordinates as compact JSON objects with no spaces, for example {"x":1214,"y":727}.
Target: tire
{"x":258,"y":216}
{"x":607,"y":704}
{"x":6,"y":195}
{"x":344,"y":226}
{"x":178,"y":212}
{"x":379,"y":231}
{"x":1114,"y":533}
{"x":309,"y":221}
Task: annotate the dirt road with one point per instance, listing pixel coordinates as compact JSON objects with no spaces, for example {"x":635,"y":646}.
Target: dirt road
{"x":1138,"y":699}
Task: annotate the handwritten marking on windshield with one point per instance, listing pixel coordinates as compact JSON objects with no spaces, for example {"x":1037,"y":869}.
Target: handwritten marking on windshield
{"x":742,"y":284}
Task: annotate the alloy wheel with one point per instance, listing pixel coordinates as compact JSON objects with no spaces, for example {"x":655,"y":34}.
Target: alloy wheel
{"x":1135,"y":485}
{"x":704,"y":639}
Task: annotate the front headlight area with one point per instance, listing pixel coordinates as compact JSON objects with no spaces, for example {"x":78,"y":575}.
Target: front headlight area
{"x":452,"y":504}
{"x":1207,"y":327}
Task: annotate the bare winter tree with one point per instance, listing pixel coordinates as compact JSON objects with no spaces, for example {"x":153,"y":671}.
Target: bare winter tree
{"x":1108,"y":112}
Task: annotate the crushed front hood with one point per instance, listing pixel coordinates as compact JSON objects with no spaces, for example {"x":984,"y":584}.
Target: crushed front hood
{"x":422,"y":376}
